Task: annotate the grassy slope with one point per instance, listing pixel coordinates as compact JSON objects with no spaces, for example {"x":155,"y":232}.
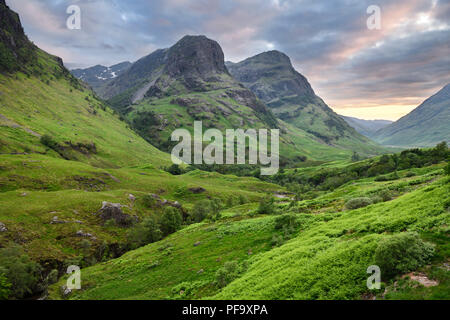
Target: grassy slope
{"x":425,"y":126}
{"x":36,"y":183}
{"x":74,"y":191}
{"x":327,"y":259}
{"x":293,"y":141}
{"x":62,"y":111}
{"x":317,"y":118}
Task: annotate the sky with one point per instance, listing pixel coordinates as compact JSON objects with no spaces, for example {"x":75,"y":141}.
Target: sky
{"x":367,"y":73}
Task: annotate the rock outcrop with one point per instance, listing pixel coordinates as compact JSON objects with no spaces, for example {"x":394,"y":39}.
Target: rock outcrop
{"x":273,"y":65}
{"x":195,"y":56}
{"x":114,"y":211}
{"x":82,"y":234}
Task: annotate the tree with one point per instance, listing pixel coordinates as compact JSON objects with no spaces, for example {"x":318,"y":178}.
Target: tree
{"x":357,"y":203}
{"x":216,"y":206}
{"x":171,"y":221}
{"x":48,"y":141}
{"x":266,"y":205}
{"x":22,"y":273}
{"x":146,"y":232}
{"x":355,"y":157}
{"x":4,"y":286}
{"x":201,"y":210}
{"x":286,"y":222}
{"x":384,"y":159}
{"x":175,"y":170}
{"x":230,"y":202}
{"x":441,"y":150}
{"x":229,"y":272}
{"x":242,"y":199}
{"x":401,"y":253}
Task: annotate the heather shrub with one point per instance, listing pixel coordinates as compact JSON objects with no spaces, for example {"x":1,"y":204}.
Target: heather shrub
{"x":229,"y":272}
{"x":402,"y":253}
{"x":266,"y":205}
{"x":356,"y":203}
{"x":171,"y":221}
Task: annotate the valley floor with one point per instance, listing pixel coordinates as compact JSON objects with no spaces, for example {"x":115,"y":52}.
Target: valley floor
{"x":245,"y":255}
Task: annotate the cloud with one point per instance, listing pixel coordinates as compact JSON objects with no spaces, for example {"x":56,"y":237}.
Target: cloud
{"x":350,"y":66}
{"x":353,"y":67}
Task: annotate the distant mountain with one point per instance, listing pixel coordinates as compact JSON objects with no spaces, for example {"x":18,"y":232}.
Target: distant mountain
{"x":135,"y":77}
{"x":366,"y":127}
{"x":171,"y":88}
{"x":271,"y":76}
{"x":189,"y":81}
{"x":98,"y":75}
{"x":425,"y":126}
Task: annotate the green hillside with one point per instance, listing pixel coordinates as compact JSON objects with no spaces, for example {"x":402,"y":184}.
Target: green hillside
{"x":55,"y":104}
{"x":86,"y":182}
{"x":316,"y":248}
{"x":63,"y":152}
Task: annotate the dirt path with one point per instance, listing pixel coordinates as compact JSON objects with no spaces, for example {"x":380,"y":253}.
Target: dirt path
{"x":10,"y":123}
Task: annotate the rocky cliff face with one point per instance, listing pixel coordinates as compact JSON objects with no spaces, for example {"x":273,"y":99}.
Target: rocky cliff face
{"x":196,"y":56}
{"x":271,"y":76}
{"x":15,"y":48}
{"x":195,"y":63}
{"x":172,"y":88}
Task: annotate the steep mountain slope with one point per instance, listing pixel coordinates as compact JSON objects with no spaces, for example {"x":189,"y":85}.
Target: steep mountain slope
{"x":98,"y":75}
{"x":43,"y":98}
{"x":63,"y":152}
{"x":171,"y":88}
{"x":195,"y":64}
{"x":425,"y":126}
{"x":329,"y":260}
{"x":271,"y":76}
{"x":366,"y":127}
{"x":139,"y":75}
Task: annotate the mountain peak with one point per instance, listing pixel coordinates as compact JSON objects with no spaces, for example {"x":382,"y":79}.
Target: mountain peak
{"x":273,"y":56}
{"x":271,"y":76}
{"x":195,"y":56}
